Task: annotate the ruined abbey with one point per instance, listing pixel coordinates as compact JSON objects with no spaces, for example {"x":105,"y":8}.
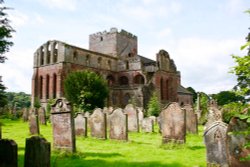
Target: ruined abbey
{"x":114,"y":56}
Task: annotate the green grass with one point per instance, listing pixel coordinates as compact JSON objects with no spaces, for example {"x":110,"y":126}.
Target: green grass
{"x":141,"y":150}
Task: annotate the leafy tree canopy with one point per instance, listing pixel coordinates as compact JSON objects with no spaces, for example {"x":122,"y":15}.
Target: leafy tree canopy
{"x":3,"y":97}
{"x":19,"y":100}
{"x":154,"y":105}
{"x":86,"y":90}
{"x":225,"y":97}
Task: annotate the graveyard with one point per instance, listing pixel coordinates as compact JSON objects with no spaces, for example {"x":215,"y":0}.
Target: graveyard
{"x":142,"y":149}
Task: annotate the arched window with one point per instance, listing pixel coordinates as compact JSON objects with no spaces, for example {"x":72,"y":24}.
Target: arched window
{"x":42,"y":56}
{"x":54,"y":85}
{"x":110,"y":80}
{"x":161,"y":89}
{"x":41,"y":87}
{"x":123,"y":80}
{"x":55,"y":46}
{"x":47,"y":87}
{"x":139,"y":79}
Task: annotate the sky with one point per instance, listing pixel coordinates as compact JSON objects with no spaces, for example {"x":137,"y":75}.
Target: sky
{"x":199,"y":35}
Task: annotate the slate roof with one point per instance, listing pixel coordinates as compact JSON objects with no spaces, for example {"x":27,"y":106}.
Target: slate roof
{"x":182,"y":90}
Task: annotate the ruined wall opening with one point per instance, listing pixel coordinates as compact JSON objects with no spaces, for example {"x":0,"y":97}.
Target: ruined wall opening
{"x":54,"y":85}
{"x":87,"y":60}
{"x":167,"y":90}
{"x":41,"y":87}
{"x":161,"y":89}
{"x":47,"y":86}
{"x":109,"y":64}
{"x":48,"y":53}
{"x":42,"y":56}
{"x":123,"y":80}
{"x":139,"y":79}
{"x":99,"y":62}
{"x":110,"y":80}
{"x":75,"y":56}
{"x":55,"y":56}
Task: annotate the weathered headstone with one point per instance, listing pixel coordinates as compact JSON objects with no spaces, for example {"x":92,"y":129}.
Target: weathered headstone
{"x":118,"y":125}
{"x":215,"y":141}
{"x":33,"y":124}
{"x":133,"y":120}
{"x":37,"y":152}
{"x":25,"y":115}
{"x":172,"y":120}
{"x":63,"y":126}
{"x":147,"y":125}
{"x":191,"y":120}
{"x":154,"y":119}
{"x":98,"y":124}
{"x":214,"y":114}
{"x":8,"y":153}
{"x":237,"y":138}
{"x":42,"y":115}
{"x":80,"y":125}
{"x":140,"y":115}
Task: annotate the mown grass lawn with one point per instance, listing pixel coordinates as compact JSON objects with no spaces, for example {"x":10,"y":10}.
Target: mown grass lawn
{"x":141,"y":150}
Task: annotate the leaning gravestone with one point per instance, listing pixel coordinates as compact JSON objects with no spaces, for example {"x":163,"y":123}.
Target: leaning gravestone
{"x":33,"y":124}
{"x":37,"y":152}
{"x":80,"y":125}
{"x":237,"y":138}
{"x":191,"y":120}
{"x":42,"y":115}
{"x":147,"y":125}
{"x":215,"y":141}
{"x":172,"y":120}
{"x":133,"y":120}
{"x":118,"y":125}
{"x":98,"y":124}
{"x":25,"y":115}
{"x":63,"y":126}
{"x":8,"y":153}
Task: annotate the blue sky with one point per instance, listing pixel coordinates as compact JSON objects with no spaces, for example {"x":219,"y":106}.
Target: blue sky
{"x":200,"y":35}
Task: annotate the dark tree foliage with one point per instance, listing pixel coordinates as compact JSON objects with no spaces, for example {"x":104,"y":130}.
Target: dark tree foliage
{"x":3,"y":97}
{"x":86,"y":90}
{"x":19,"y":100}
{"x":225,"y":97}
{"x":190,"y":89}
{"x":5,"y":32}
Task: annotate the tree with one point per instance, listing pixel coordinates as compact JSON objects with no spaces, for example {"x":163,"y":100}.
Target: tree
{"x":5,"y":32}
{"x":190,"y":89}
{"x":86,"y":90}
{"x":20,"y":100}
{"x":3,"y":97}
{"x":226,"y":97}
{"x":154,"y":105}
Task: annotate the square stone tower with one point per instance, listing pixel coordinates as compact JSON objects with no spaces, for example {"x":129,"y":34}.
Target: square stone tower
{"x":115,"y":43}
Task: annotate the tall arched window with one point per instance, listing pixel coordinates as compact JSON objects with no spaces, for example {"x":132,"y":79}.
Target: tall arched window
{"x":47,"y":87}
{"x":54,"y":85}
{"x":110,"y":80}
{"x":41,"y":87}
{"x":42,"y":56}
{"x":139,"y":79}
{"x":123,"y":80}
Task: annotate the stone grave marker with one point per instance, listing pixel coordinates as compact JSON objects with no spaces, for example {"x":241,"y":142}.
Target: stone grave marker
{"x":118,"y":125}
{"x":172,"y":120}
{"x":191,"y":119}
{"x":236,"y":141}
{"x":147,"y":125}
{"x":140,"y":115}
{"x":133,"y":120}
{"x":80,"y":124}
{"x":25,"y":115}
{"x":98,"y":124}
{"x":37,"y":152}
{"x":215,"y":141}
{"x":63,"y":126}
{"x":214,"y":114}
{"x":33,"y":124}
{"x":154,"y":119}
{"x":42,"y":115}
{"x":8,"y":153}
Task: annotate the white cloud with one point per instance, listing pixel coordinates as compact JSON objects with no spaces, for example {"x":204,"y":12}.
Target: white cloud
{"x":18,"y":18}
{"x":69,"y":5}
{"x":164,"y":33}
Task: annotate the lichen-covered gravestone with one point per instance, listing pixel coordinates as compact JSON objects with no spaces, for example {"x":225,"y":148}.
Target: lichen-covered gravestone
{"x":172,"y":120}
{"x":118,"y":125}
{"x":42,"y":115}
{"x":98,"y":124}
{"x":191,"y":120}
{"x":237,"y":138}
{"x":63,"y":126}
{"x":37,"y":152}
{"x":33,"y":124}
{"x":8,"y":153}
{"x":133,"y":120}
{"x":80,"y":125}
{"x":147,"y":125}
{"x":215,"y":141}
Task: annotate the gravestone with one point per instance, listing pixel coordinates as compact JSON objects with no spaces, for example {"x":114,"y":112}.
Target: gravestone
{"x":98,"y":124}
{"x":147,"y":125}
{"x":37,"y":152}
{"x":154,"y":119}
{"x":236,"y":141}
{"x":63,"y":126}
{"x":140,"y":115}
{"x":133,"y":120}
{"x":118,"y":125}
{"x":80,"y":125}
{"x":215,"y":141}
{"x":42,"y":115}
{"x":25,"y":115}
{"x":191,"y":119}
{"x":214,"y":114}
{"x":33,"y":124}
{"x":172,"y":120}
{"x":8,"y":153}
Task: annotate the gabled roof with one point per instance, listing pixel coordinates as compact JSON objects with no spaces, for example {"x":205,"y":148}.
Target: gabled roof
{"x":182,"y":90}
